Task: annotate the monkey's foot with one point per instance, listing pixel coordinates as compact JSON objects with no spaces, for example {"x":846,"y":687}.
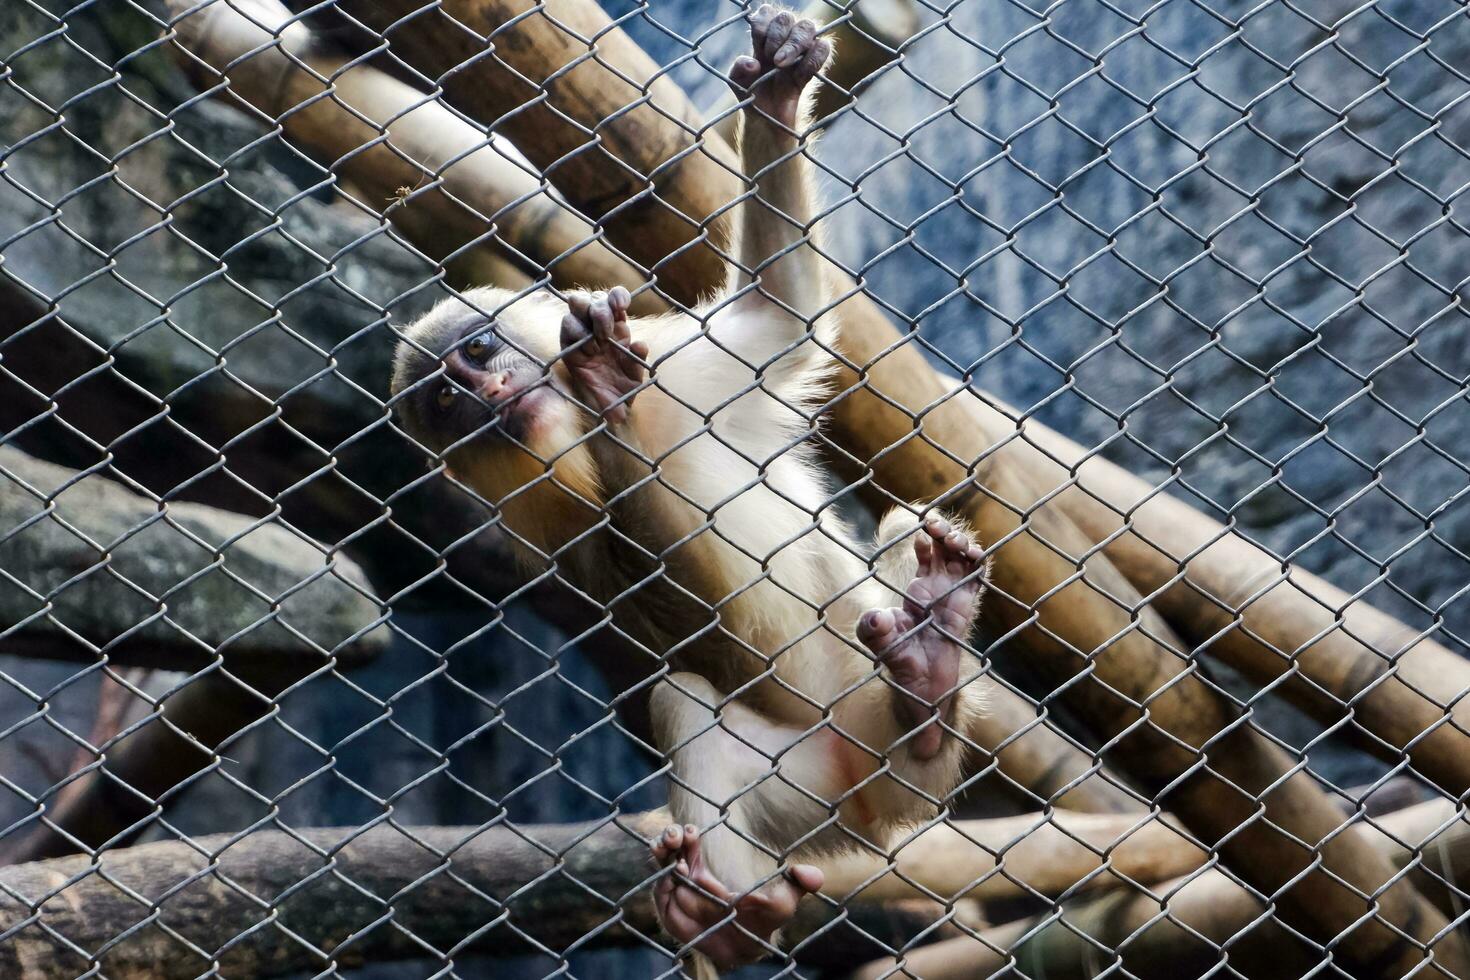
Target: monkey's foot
{"x":605,"y":362}
{"x":925,"y":661}
{"x":697,"y":908}
{"x":786,"y":54}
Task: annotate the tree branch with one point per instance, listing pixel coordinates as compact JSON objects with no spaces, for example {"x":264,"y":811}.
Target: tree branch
{"x":272,"y":902}
{"x":444,"y":183}
{"x":1178,"y":929}
{"x":591,"y":110}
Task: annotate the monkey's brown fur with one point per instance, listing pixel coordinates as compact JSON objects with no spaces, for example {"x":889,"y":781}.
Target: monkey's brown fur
{"x":689,"y":504}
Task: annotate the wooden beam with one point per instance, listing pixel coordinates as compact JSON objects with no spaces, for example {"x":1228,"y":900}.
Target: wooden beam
{"x":591,"y":110}
{"x":1264,"y":617}
{"x":444,"y":183}
{"x":1184,"y":928}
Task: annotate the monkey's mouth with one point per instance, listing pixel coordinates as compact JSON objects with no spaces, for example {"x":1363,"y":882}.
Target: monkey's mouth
{"x":514,"y":408}
{"x":518,"y":415}
{"x":505,"y":404}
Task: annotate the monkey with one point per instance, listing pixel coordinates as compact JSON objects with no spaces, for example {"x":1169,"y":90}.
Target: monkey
{"x":814,"y":699}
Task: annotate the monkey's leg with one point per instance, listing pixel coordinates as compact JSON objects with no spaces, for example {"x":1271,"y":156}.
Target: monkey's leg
{"x":921,"y":642}
{"x":733,"y":772}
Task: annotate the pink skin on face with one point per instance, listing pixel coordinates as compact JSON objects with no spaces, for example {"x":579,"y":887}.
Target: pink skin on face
{"x":523,"y":398}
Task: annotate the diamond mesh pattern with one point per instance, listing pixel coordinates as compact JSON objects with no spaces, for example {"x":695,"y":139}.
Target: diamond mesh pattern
{"x":276,"y":701}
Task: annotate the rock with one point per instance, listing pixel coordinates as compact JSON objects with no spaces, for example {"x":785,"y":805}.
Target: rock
{"x":88,"y":563}
{"x":205,"y":325}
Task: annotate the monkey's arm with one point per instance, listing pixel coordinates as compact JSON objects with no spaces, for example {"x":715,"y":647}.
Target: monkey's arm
{"x":778,"y":267}
{"x":607,"y":370}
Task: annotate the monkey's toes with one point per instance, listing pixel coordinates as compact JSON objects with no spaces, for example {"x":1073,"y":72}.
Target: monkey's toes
{"x":696,"y":908}
{"x":880,"y":629}
{"x":946,"y":550}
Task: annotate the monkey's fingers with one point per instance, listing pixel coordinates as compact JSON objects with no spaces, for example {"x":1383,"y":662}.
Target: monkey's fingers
{"x":936,"y":526}
{"x":619,"y":299}
{"x":958,"y":547}
{"x":778,"y":29}
{"x":678,"y":924}
{"x":796,"y":45}
{"x":769,"y":908}
{"x":668,"y":845}
{"x":924,"y":551}
{"x":760,"y":22}
{"x":744,"y":73}
{"x":815,"y":61}
{"x":807,"y":877}
{"x":578,"y":303}
{"x":609,"y":317}
{"x":599,"y":315}
{"x":573,"y":332}
{"x":696,"y":903}
{"x":663,"y":897}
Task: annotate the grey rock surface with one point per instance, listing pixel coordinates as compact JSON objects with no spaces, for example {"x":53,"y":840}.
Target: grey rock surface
{"x":89,"y":566}
{"x":210,"y":316}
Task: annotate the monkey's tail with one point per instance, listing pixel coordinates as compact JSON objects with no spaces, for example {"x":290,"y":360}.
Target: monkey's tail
{"x":701,"y":967}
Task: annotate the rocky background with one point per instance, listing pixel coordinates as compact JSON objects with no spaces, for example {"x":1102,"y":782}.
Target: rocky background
{"x":1230,"y":254}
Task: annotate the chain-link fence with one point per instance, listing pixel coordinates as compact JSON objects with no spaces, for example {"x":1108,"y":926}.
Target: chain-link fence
{"x":314,"y":666}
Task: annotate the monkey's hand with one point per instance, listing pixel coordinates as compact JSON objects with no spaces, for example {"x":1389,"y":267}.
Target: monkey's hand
{"x":921,"y":642}
{"x":786,"y":55}
{"x":605,"y":362}
{"x":695,"y":907}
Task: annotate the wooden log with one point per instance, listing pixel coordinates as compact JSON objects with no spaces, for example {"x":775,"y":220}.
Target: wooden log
{"x":445,"y":886}
{"x":443,"y":182}
{"x":1007,"y":857}
{"x":142,"y":773}
{"x":1045,"y":766}
{"x":1266,"y":619}
{"x":1201,"y":921}
{"x":272,"y":903}
{"x":591,"y":110}
{"x":498,"y":888}
{"x":1132,"y":678}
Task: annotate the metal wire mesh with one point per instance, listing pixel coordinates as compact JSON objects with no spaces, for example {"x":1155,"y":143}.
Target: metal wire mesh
{"x":277,"y":700}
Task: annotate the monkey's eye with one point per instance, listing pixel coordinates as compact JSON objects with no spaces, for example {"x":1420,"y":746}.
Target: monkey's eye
{"x":446,"y":397}
{"x":478,"y":349}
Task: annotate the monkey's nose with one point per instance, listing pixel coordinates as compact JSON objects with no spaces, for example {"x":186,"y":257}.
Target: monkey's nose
{"x":489,"y":386}
{"x":493,"y":385}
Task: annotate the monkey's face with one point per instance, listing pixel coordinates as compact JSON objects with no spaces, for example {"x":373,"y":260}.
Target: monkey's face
{"x":478,"y":380}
